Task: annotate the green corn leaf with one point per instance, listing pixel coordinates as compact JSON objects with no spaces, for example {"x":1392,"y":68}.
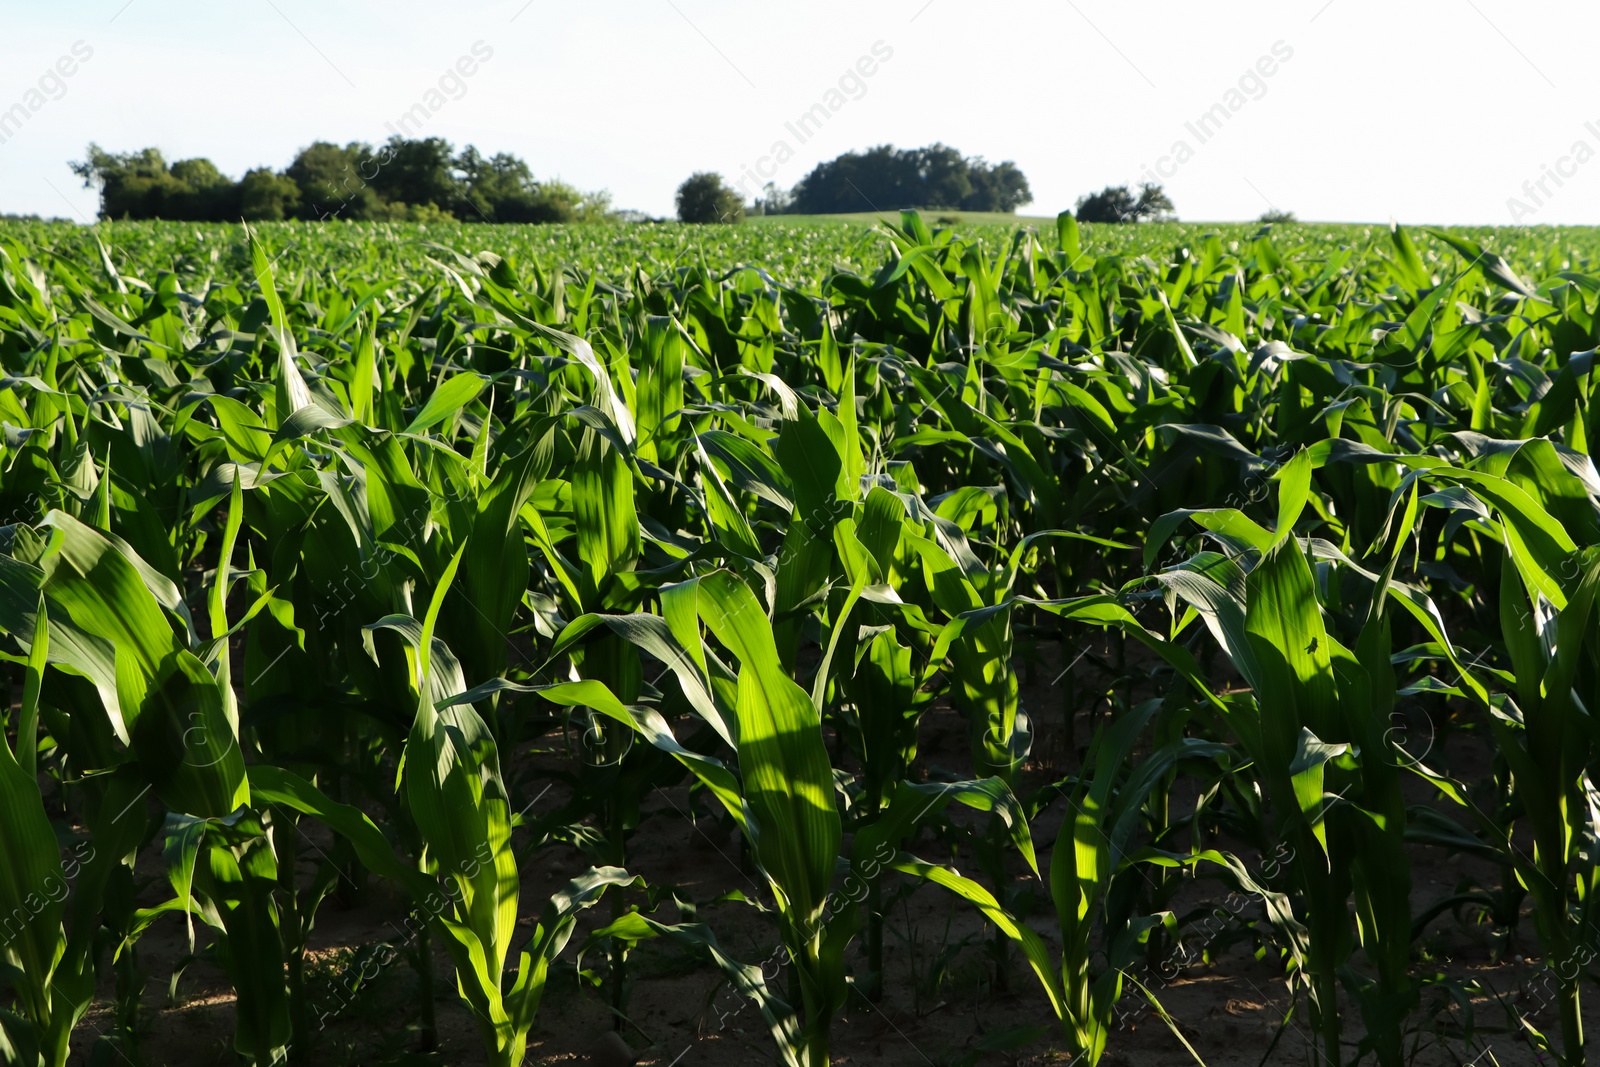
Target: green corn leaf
{"x":446,"y":401}
{"x":276,"y":786}
{"x":33,"y":679}
{"x":363,"y":379}
{"x":912,"y":802}
{"x":656,"y":636}
{"x":292,"y":391}
{"x":647,"y":722}
{"x":32,"y":886}
{"x":1284,"y":628}
{"x":1294,"y":489}
{"x":788,"y":780}
{"x":556,"y":925}
{"x":1306,"y":774}
{"x":186,"y":743}
{"x":1032,"y":945}
{"x":747,"y":979}
{"x":603,"y":502}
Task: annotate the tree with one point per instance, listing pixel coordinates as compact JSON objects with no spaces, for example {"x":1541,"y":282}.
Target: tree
{"x":879,"y":179}
{"x":772,"y":201}
{"x":1274,"y":215}
{"x":499,"y":188}
{"x":133,"y":185}
{"x":1154,"y":204}
{"x":205,"y":194}
{"x":503,"y":189}
{"x":567,"y":203}
{"x":944,"y":176}
{"x":418,"y":172}
{"x":704,"y":198}
{"x":411,"y":181}
{"x":1002,"y":187}
{"x":140,"y":185}
{"x":267,"y":196}
{"x":884,"y":178}
{"x":335,"y":183}
{"x":1116,"y":203}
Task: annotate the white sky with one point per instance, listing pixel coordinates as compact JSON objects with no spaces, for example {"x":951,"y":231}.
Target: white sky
{"x":1429,"y":111}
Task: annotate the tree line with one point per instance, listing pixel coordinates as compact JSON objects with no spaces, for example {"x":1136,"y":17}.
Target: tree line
{"x":921,"y":178}
{"x":426,"y":179}
{"x":419,"y":180}
{"x":885,"y":178}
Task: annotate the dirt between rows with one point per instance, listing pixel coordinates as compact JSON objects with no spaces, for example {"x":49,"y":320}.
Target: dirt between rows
{"x":947,"y":1002}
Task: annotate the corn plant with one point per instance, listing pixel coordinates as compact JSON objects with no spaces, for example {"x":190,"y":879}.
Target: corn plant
{"x":345,"y":527}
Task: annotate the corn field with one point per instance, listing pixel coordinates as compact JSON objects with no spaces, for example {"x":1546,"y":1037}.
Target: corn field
{"x":1252,"y":576}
